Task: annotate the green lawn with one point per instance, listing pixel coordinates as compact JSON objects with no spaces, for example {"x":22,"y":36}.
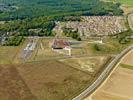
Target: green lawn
{"x":125,"y":2}
{"x":7,"y":54}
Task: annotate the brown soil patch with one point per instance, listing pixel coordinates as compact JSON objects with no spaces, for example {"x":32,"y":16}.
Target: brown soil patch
{"x":120,"y":84}
{"x":118,"y":87}
{"x":12,"y":86}
{"x":53,"y":80}
{"x":88,"y":64}
{"x":127,"y":10}
{"x":128,"y":59}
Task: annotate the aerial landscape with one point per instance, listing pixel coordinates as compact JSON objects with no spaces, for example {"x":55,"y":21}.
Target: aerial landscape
{"x":66,"y":49}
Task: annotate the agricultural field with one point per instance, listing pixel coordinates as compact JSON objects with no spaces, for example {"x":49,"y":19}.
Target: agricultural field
{"x":108,"y":47}
{"x":126,"y":5}
{"x":11,"y":54}
{"x":128,"y":61}
{"x":55,"y":49}
{"x":12,"y":86}
{"x":88,"y":64}
{"x":119,"y":85}
{"x":123,"y":2}
{"x":53,"y":80}
{"x":7,"y":54}
{"x":127,"y":10}
{"x":45,"y":78}
{"x":41,"y":81}
{"x":43,"y":50}
{"x":126,"y":2}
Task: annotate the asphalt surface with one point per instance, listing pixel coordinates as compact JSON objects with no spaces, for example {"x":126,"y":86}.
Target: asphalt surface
{"x":103,"y":75}
{"x":130,"y":21}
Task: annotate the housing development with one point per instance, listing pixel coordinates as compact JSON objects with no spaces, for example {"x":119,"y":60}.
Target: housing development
{"x":66,"y":50}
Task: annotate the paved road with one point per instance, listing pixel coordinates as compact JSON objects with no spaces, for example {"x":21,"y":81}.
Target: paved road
{"x":103,"y":75}
{"x":130,"y":17}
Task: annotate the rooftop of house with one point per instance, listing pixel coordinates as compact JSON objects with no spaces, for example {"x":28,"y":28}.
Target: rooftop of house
{"x":60,"y":44}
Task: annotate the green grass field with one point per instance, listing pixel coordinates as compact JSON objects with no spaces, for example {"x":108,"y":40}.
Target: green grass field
{"x":12,"y":54}
{"x":124,"y":2}
{"x":126,"y":66}
{"x":7,"y":54}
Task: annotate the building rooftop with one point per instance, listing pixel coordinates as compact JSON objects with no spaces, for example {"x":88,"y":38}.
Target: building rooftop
{"x":60,"y":44}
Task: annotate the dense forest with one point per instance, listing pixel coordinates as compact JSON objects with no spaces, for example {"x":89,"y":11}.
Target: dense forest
{"x":35,"y":8}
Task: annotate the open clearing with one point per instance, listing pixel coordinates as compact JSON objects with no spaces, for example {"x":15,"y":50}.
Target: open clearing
{"x":124,"y":2}
{"x":12,"y":86}
{"x":53,"y":80}
{"x":127,"y":5}
{"x":88,"y":64}
{"x":128,"y":59}
{"x":49,"y":80}
{"x":43,"y":50}
{"x":8,"y":54}
{"x":119,"y":85}
{"x":127,"y":10}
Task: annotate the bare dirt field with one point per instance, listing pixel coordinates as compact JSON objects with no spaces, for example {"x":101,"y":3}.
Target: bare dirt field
{"x":118,"y":87}
{"x":12,"y":86}
{"x":53,"y":80}
{"x":47,"y":80}
{"x":128,"y":59}
{"x":88,"y":64}
{"x":127,"y":10}
{"x":120,"y":84}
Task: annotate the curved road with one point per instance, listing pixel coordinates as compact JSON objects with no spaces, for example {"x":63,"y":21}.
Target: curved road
{"x":130,"y":21}
{"x":103,"y":75}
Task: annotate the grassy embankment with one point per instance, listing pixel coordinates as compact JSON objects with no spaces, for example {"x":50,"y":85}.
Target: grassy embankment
{"x":127,"y":66}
